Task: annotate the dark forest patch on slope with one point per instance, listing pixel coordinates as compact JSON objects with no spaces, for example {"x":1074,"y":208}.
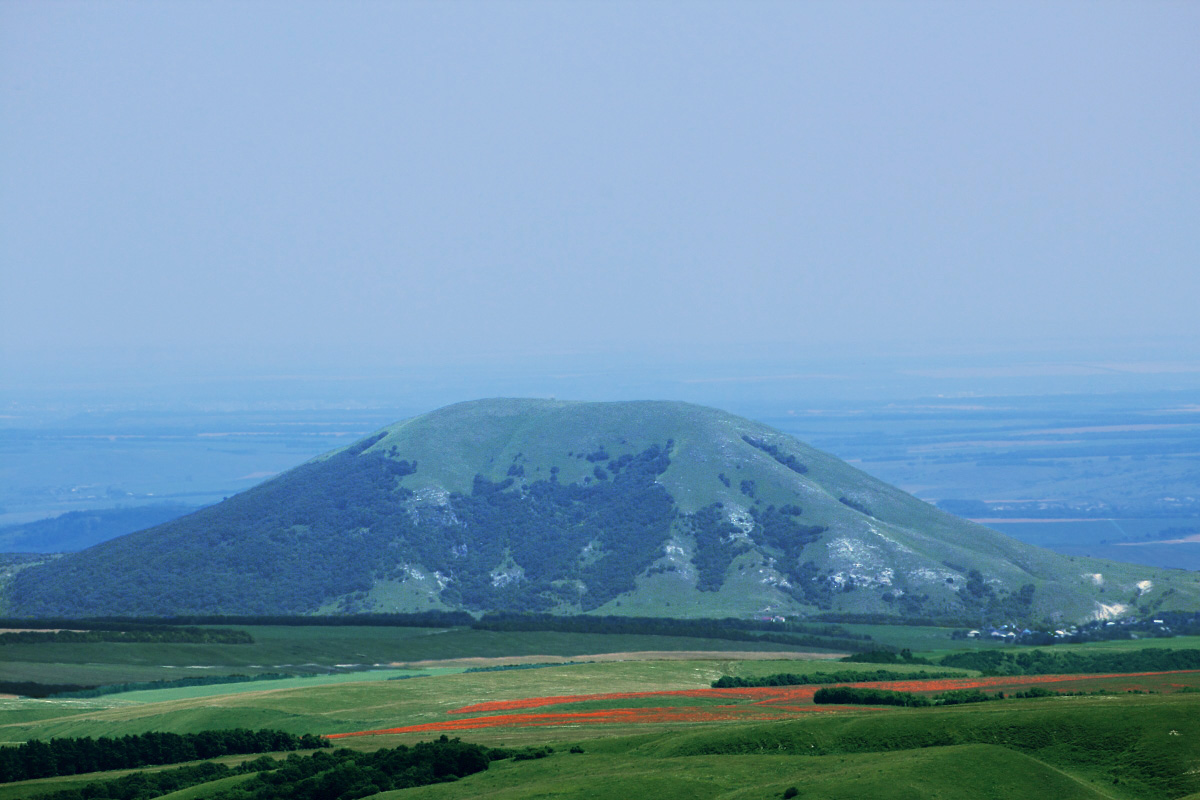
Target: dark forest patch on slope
{"x":335,"y":526}
{"x":543,"y":527}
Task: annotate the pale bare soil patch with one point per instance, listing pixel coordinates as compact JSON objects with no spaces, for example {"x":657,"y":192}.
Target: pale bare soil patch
{"x":642,"y":655}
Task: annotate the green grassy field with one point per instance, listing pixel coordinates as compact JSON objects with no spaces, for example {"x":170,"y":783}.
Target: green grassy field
{"x":1118,"y":746}
{"x":23,"y":789}
{"x":1093,"y":747}
{"x":320,"y":649}
{"x":997,"y":773}
{"x":1089,"y":748}
{"x":371,"y":702}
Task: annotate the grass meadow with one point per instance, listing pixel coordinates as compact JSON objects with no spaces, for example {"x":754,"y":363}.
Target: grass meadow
{"x":647,"y":723}
{"x":320,"y":650}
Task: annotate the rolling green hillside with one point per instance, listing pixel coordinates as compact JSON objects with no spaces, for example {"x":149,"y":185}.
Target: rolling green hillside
{"x":640,"y":508}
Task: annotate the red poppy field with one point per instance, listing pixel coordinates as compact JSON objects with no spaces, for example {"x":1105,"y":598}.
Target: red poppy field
{"x":755,"y":704}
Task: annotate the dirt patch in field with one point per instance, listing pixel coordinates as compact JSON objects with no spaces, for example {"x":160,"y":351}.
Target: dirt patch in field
{"x":645,"y":655}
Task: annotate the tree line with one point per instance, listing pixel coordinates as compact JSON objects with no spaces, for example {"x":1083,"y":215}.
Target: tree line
{"x":1042,"y":662}
{"x":849,"y":695}
{"x":419,"y":619}
{"x":177,"y":683}
{"x":817,"y":678}
{"x":70,"y":756}
{"x":324,"y":775}
{"x":143,"y":635}
{"x":799,"y":635}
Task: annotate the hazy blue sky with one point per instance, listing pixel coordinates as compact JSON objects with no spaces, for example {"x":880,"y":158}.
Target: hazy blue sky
{"x":260,"y":183}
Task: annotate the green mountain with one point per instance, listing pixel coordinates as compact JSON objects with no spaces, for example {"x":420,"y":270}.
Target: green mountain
{"x":639,"y":508}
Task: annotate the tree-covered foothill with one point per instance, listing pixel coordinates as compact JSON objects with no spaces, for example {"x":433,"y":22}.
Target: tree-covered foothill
{"x":38,"y":759}
{"x":990,"y":601}
{"x":1042,"y":662}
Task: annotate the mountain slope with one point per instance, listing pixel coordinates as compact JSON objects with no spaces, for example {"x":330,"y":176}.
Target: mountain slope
{"x":635,"y":508}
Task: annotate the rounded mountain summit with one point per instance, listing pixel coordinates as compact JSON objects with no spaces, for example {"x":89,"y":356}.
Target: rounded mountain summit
{"x":638,"y":508}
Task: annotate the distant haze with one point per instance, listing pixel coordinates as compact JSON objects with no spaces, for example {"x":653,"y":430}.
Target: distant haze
{"x":265,"y":186}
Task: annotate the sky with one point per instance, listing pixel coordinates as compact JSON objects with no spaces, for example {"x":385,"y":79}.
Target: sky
{"x":290,"y":186}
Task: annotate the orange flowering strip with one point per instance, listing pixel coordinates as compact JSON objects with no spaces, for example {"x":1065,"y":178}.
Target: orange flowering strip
{"x":783,"y":702}
{"x":622,"y":715}
{"x":771,"y":694}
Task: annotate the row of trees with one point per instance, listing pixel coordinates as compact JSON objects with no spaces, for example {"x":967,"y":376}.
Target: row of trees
{"x":140,"y":635}
{"x":1045,"y":662}
{"x":325,"y":775}
{"x":348,"y":775}
{"x":818,"y":678}
{"x":787,"y":459}
{"x":38,"y":759}
{"x":704,"y":627}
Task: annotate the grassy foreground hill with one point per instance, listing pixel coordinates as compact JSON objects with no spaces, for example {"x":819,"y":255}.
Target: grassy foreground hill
{"x":640,"y":508}
{"x":636,"y":726}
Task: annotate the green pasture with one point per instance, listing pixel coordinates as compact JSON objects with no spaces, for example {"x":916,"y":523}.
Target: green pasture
{"x":207,"y":789}
{"x":23,"y":789}
{"x":918,"y":638}
{"x":1121,"y":747}
{"x":366,"y":701}
{"x":971,"y":772}
{"x":320,"y":649}
{"x":1173,"y":643}
{"x":1116,"y":747}
{"x":216,"y":689}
